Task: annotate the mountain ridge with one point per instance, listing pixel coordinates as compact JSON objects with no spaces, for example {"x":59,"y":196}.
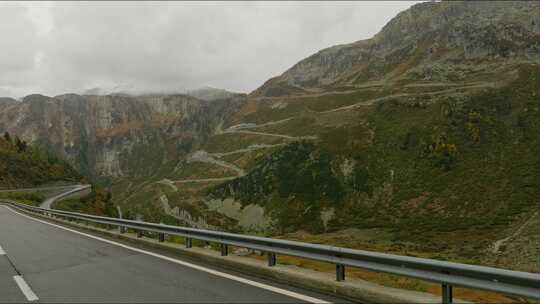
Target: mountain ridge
{"x":68,"y":123}
{"x":430,"y":33}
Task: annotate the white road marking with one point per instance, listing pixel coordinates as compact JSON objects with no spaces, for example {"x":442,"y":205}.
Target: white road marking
{"x":200,"y":268}
{"x":26,"y":290}
{"x":2,"y":252}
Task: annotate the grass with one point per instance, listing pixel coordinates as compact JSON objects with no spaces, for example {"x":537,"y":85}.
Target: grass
{"x":31,"y":166}
{"x":197,"y":170}
{"x":30,"y":198}
{"x":234,"y":141}
{"x":395,"y":281}
{"x":378,"y":240}
{"x":304,"y":105}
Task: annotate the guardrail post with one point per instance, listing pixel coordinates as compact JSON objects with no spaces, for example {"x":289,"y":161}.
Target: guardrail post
{"x":189,"y":243}
{"x":340,"y":272}
{"x":447,"y":294}
{"x":161,"y":237}
{"x":271,"y":259}
{"x":224,"y":250}
{"x":139,"y":234}
{"x":122,"y":229}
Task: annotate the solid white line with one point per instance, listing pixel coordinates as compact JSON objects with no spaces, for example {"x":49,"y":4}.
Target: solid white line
{"x":204,"y":269}
{"x":28,"y":293}
{"x":2,"y":252}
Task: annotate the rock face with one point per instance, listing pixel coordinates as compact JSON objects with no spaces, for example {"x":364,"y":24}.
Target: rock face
{"x":441,"y":41}
{"x":115,"y":135}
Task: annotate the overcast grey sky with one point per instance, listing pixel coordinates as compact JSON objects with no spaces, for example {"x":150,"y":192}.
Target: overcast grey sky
{"x":53,"y":48}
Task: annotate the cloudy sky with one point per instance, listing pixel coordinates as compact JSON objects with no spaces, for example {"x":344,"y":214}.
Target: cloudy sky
{"x":53,"y":48}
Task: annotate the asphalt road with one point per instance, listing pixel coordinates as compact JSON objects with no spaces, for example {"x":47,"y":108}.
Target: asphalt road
{"x":74,"y":189}
{"x":63,"y":266}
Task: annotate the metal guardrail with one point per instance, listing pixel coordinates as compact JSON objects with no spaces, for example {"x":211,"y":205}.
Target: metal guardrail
{"x":447,"y":274}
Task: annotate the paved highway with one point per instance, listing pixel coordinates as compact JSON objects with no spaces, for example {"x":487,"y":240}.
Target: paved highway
{"x":44,"y":262}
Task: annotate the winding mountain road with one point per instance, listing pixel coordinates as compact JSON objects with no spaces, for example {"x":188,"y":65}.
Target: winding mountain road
{"x":75,"y":190}
{"x":247,"y":128}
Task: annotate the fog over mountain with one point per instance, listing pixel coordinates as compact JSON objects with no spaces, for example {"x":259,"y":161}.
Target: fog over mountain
{"x":54,"y":48}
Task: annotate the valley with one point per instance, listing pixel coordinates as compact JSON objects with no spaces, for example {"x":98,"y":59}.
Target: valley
{"x":423,"y":140}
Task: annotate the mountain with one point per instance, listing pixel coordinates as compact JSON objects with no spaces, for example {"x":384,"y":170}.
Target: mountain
{"x":105,"y":136}
{"x":209,"y":93}
{"x":426,"y":132}
{"x":7,"y":100}
{"x":447,"y":41}
{"x":26,"y":166}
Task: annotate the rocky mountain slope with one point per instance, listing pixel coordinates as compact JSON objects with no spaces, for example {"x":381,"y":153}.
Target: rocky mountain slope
{"x":435,"y":41}
{"x":115,"y":135}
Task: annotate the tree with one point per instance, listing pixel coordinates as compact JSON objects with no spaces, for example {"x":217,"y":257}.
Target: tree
{"x":7,"y":137}
{"x":21,"y":145}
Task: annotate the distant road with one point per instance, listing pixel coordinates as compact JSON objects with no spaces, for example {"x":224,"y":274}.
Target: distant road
{"x":51,"y":263}
{"x":70,"y":190}
{"x":77,"y":188}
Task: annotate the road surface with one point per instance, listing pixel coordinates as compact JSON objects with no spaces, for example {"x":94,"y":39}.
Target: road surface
{"x":49,"y":201}
{"x":44,"y":262}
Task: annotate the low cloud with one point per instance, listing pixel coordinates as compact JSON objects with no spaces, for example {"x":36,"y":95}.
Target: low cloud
{"x":54,"y":48}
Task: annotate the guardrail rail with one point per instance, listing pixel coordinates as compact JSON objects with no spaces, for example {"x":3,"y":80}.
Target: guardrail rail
{"x":448,"y":274}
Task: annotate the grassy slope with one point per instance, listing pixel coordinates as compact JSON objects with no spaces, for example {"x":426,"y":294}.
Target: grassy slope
{"x":462,"y":167}
{"x":459,"y":166}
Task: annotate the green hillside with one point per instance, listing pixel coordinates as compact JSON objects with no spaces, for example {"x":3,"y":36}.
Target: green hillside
{"x":466,"y":168}
{"x":22,"y":165}
{"x":423,"y":140}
